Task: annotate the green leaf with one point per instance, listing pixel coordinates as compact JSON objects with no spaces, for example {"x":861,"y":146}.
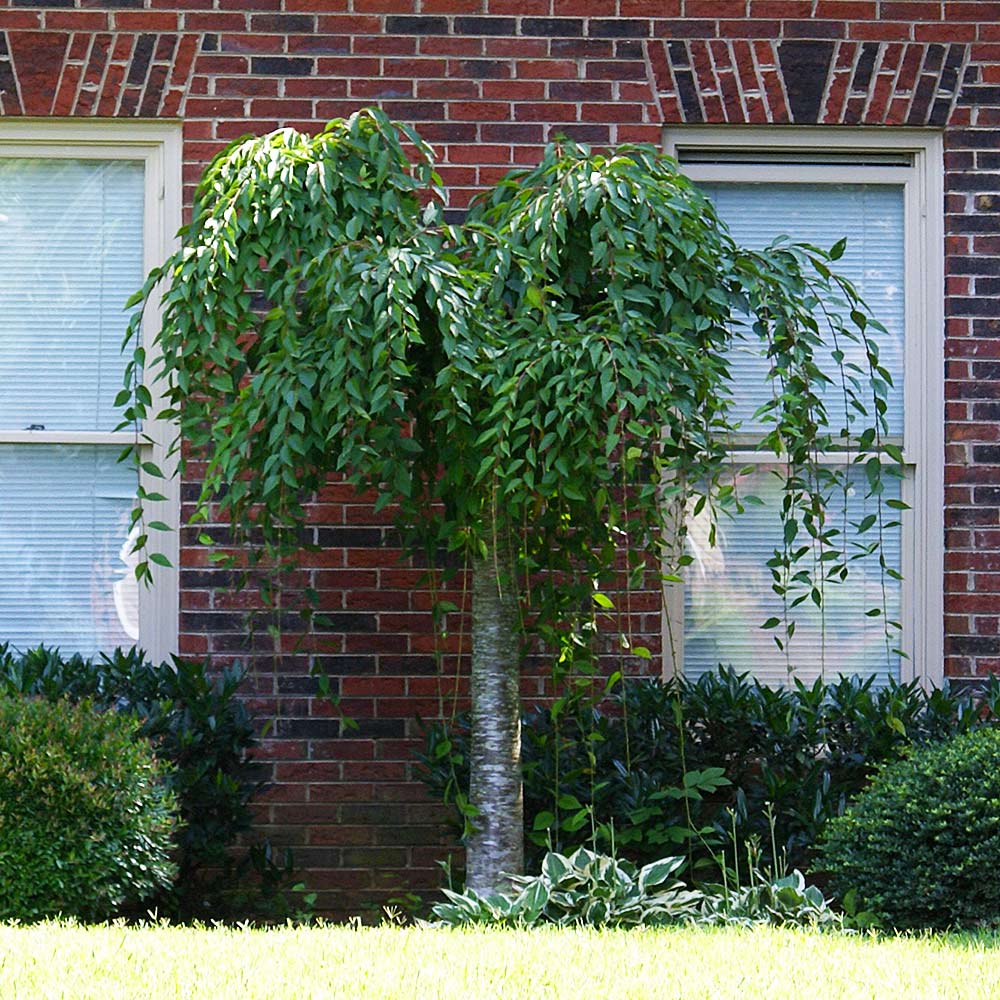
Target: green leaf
{"x":544,"y":821}
{"x":656,"y":873}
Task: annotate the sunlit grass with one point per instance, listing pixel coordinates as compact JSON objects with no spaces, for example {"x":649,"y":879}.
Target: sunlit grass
{"x":60,"y":961}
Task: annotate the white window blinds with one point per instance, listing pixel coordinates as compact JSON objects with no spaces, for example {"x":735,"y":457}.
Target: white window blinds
{"x":63,"y":521}
{"x":728,"y":596}
{"x":71,"y":239}
{"x":871,"y":217}
{"x":71,"y":253}
{"x":728,"y":592}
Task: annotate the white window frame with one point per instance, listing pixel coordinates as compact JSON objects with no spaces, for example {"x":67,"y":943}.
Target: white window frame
{"x":158,"y":146}
{"x":922,"y":541}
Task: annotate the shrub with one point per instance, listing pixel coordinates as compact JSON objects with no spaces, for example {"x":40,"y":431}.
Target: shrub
{"x":663,"y":765}
{"x":921,"y":845}
{"x":201,"y":729}
{"x":85,"y":816}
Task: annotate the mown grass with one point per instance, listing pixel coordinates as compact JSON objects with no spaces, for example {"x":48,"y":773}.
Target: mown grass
{"x":158,"y":962}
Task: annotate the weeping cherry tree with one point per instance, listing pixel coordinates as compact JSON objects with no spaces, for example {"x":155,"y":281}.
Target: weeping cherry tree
{"x":538,"y":390}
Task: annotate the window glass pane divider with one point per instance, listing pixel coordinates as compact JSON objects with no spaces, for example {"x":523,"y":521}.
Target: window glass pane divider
{"x":120,"y":438}
{"x":750,"y":456}
{"x":805,"y":174}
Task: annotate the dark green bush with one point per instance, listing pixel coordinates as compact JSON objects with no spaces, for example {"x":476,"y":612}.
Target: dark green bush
{"x":921,"y":845}
{"x":200,"y":729}
{"x":615,"y":770}
{"x":85,"y":815}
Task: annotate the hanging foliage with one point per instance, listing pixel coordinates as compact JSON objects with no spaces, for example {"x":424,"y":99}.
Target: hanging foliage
{"x":541,"y":388}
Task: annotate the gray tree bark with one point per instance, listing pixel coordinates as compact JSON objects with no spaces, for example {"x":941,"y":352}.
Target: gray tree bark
{"x":497,"y":844}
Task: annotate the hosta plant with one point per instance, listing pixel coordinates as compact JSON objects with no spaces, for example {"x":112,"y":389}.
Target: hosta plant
{"x":766,"y":900}
{"x":585,"y":888}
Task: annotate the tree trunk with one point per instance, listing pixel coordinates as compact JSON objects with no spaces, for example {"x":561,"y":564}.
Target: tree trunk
{"x":497,"y":844}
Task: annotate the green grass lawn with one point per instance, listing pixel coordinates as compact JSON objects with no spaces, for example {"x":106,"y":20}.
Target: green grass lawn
{"x":53,"y":961}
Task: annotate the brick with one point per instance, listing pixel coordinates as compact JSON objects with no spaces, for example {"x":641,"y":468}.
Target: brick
{"x":480,"y":69}
{"x":251,"y":44}
{"x":814,"y":29}
{"x":124,"y":45}
{"x":13,"y":19}
{"x":581,"y":48}
{"x":450,"y":89}
{"x":553,"y":27}
{"x":141,"y":55}
{"x":485,"y":25}
{"x":77,"y":20}
{"x":618,"y":27}
{"x":513,"y":90}
{"x":37,"y":58}
{"x":616,"y":70}
{"x":547,"y":112}
{"x":385,"y":88}
{"x":377,"y":6}
{"x":404,"y":25}
{"x":215,"y":21}
{"x":67,"y":89}
{"x":547,"y":69}
{"x":781,"y":9}
{"x":650,"y":8}
{"x":282,"y":23}
{"x":146,"y":20}
{"x":281,"y":66}
{"x":580,"y":90}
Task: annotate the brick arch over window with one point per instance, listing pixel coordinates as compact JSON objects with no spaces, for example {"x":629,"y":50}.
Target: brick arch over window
{"x":82,"y":73}
{"x":808,"y":82}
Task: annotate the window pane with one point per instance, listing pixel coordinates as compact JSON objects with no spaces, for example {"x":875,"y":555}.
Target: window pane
{"x":728,"y":596}
{"x":64,"y":515}
{"x":71,"y":233}
{"x":871,"y":217}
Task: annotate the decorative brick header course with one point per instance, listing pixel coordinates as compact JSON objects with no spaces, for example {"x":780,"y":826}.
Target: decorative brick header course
{"x":84,"y":73}
{"x":806,"y":81}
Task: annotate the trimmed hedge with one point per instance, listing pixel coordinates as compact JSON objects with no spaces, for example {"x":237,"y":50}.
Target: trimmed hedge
{"x":921,"y":845}
{"x":202,"y":731}
{"x":792,"y":756}
{"x":85,"y":814}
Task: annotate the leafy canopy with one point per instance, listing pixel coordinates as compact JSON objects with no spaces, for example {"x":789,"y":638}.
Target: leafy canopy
{"x":554,"y":370}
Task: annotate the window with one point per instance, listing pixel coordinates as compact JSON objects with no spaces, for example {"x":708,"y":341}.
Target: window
{"x":85,"y":211}
{"x":883,"y":190}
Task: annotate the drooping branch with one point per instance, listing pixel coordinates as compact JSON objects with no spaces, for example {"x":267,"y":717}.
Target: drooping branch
{"x":563,"y":357}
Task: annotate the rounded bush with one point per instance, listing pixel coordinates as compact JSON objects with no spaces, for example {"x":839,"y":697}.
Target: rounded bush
{"x":85,"y":816}
{"x":921,"y":845}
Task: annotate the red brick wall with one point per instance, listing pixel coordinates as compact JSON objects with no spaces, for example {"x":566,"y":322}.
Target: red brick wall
{"x":487,"y":82}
